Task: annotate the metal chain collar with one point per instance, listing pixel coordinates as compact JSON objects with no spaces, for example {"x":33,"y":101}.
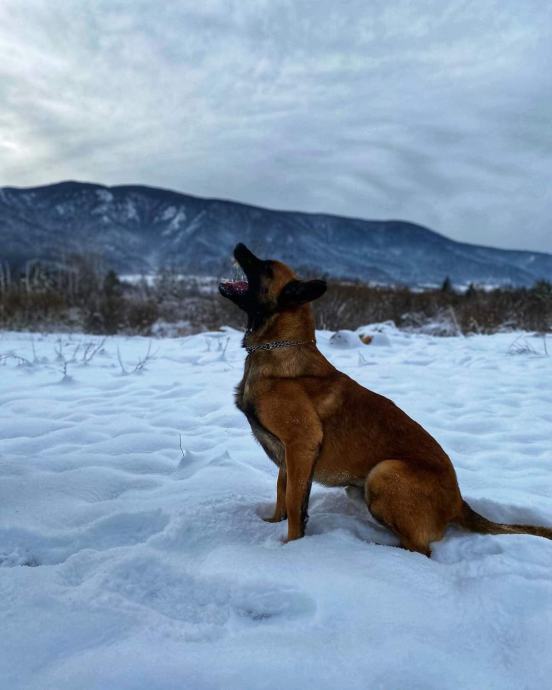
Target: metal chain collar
{"x":278,"y":343}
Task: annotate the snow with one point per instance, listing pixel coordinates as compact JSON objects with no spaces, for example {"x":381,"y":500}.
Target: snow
{"x":130,"y":210}
{"x":345,"y":339}
{"x":168,"y":213}
{"x":104,"y":195}
{"x":177,"y":218}
{"x":133,"y":556}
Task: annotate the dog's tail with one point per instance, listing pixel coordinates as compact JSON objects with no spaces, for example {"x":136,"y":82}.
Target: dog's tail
{"x":474,"y":522}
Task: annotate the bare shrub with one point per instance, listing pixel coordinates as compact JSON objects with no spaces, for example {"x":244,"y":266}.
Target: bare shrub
{"x":476,"y":310}
{"x":79,"y":293}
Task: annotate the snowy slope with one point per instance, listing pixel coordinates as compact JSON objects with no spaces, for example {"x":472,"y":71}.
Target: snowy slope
{"x":128,"y":564}
{"x":138,"y":228}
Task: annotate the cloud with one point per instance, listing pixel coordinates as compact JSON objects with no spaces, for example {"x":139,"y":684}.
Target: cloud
{"x":433,"y":112}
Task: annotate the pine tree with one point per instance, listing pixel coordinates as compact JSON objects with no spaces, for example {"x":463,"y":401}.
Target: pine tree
{"x":447,"y":285}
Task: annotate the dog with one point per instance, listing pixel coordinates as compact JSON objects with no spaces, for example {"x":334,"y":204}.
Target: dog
{"x":316,"y":423}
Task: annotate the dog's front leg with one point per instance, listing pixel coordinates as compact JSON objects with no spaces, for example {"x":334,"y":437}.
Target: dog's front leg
{"x":287,"y":412}
{"x":280,"y":512}
{"x":299,"y":465}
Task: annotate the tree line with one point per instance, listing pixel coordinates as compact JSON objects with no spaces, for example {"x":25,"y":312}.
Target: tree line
{"x":82,"y":293}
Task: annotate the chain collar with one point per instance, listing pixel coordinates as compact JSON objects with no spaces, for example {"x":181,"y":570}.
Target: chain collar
{"x":278,"y":343}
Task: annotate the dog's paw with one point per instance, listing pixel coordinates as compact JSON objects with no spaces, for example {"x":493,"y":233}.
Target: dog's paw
{"x":268,"y":513}
{"x":274,"y":518}
{"x":286,"y":539}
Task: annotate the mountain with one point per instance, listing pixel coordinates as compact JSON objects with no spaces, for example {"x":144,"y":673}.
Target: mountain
{"x":138,"y":228}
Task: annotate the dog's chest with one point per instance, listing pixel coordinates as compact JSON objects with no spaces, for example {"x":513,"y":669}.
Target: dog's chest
{"x":245,"y":402}
{"x":243,"y":397}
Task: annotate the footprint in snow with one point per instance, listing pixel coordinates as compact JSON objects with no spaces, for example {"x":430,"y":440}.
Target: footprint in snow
{"x":204,"y":604}
{"x":26,"y":547}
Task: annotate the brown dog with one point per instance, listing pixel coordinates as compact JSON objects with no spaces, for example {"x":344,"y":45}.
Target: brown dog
{"x":316,"y":423}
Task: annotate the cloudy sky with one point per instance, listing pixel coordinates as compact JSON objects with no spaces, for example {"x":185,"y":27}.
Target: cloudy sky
{"x":430,"y":111}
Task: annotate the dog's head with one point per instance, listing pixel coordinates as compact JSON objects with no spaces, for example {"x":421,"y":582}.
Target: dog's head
{"x":268,"y":286}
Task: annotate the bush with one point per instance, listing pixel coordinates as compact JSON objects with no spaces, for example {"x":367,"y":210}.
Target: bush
{"x":80,"y":293}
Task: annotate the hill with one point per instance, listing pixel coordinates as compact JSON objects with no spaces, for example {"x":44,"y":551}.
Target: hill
{"x":139,"y":228}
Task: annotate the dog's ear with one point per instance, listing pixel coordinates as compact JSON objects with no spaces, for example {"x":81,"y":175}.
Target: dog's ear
{"x":299,"y":292}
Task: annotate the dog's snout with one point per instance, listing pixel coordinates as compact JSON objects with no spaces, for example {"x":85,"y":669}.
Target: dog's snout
{"x":244,"y":256}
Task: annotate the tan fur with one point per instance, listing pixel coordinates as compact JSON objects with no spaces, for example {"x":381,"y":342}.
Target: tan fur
{"x":317,"y":423}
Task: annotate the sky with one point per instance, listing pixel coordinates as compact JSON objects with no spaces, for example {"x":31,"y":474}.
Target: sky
{"x":435,"y":112}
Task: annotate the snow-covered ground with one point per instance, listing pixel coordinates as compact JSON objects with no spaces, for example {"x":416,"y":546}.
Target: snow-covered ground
{"x":129,"y":562}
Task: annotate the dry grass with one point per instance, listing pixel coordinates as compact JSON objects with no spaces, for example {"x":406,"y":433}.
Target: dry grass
{"x":473,"y":311}
{"x":78,"y":293}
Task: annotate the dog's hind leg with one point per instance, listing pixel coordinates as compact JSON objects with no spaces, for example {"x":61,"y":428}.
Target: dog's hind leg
{"x":415,"y":502}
